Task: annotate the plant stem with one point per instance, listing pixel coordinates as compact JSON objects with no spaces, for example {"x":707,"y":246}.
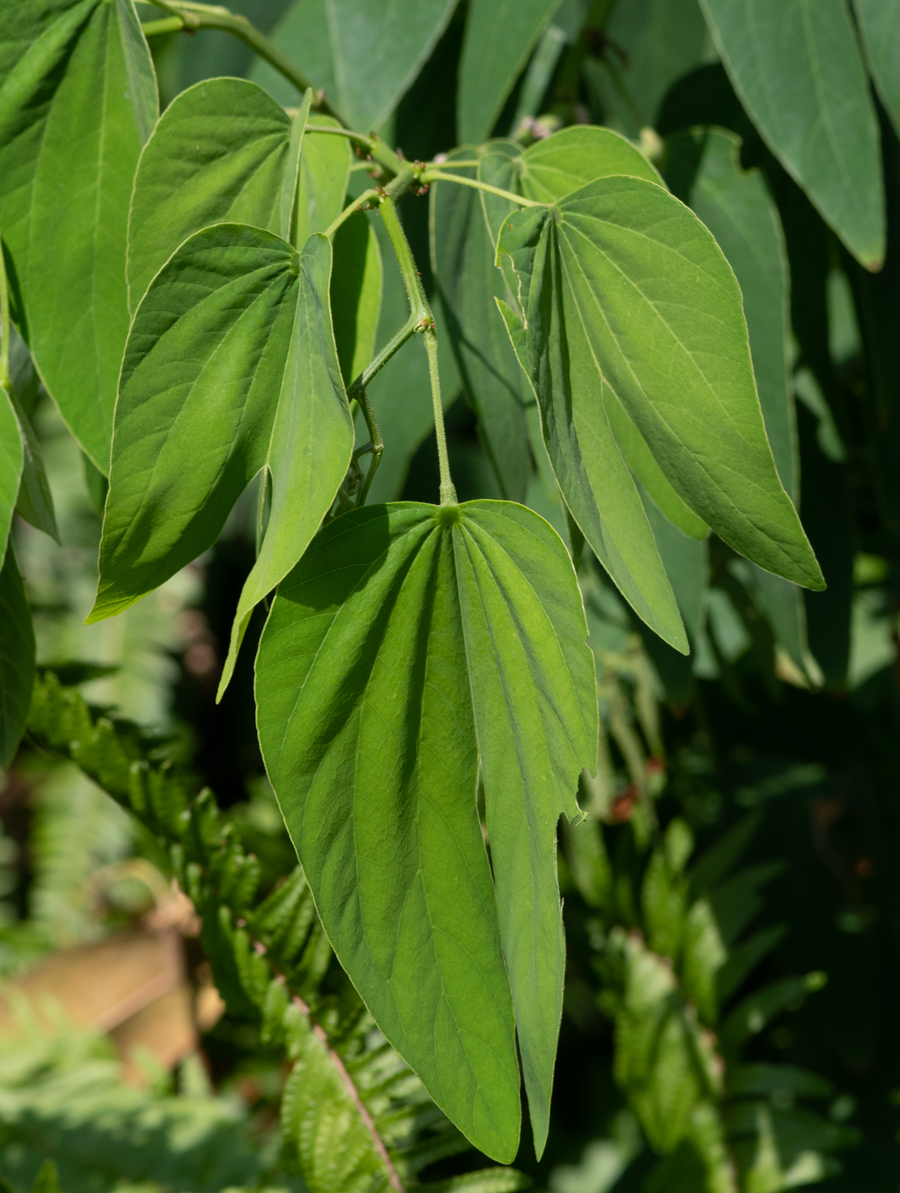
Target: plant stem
{"x":4,"y":322}
{"x":351,"y":209}
{"x":206,"y":16}
{"x":166,"y":25}
{"x":439,"y":176}
{"x":422,"y":320}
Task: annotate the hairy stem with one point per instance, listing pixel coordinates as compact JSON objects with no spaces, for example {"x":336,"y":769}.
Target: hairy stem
{"x":428,"y":176}
{"x":423,"y":320}
{"x":358,"y":204}
{"x":207,"y":16}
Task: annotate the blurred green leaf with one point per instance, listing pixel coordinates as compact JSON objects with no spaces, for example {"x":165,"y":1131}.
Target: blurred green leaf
{"x":879,"y":23}
{"x":16,"y":658}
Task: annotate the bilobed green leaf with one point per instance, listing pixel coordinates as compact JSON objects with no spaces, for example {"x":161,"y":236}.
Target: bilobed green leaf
{"x":630,"y":280}
{"x":468,"y":281}
{"x":499,"y":37}
{"x":225,"y":152}
{"x":11,"y":461}
{"x":232,"y":347}
{"x":409,"y":644}
{"x":797,"y":68}
{"x":16,"y":658}
{"x":365,"y":56}
{"x":567,"y":161}
{"x":879,"y":24}
{"x":77,"y":101}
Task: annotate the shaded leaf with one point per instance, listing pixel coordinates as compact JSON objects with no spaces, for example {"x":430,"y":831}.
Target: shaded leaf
{"x":356,"y":282}
{"x":365,"y":56}
{"x":879,"y":23}
{"x":409,"y":644}
{"x":77,"y":101}
{"x":35,"y":501}
{"x":16,"y":658}
{"x":643,"y":297}
{"x":233,"y":343}
{"x":801,"y":78}
{"x":499,"y":37}
{"x":468,"y":281}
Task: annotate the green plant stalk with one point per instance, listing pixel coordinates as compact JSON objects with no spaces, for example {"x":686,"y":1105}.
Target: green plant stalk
{"x":420,"y":313}
{"x":160,"y":28}
{"x":428,"y":176}
{"x":358,"y":204}
{"x":4,"y":322}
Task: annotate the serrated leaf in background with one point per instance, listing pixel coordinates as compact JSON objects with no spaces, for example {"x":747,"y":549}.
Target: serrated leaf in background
{"x":797,"y":68}
{"x":77,"y":102}
{"x":341,"y":690}
{"x":500,"y":35}
{"x":365,"y":56}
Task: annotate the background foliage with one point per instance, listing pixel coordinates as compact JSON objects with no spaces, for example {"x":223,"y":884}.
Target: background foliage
{"x":730,"y":905}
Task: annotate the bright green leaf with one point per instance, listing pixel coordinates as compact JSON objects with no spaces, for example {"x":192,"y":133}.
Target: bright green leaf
{"x":410,"y":643}
{"x":463,"y":262}
{"x":77,"y":101}
{"x":645,"y":300}
{"x":567,"y":161}
{"x":499,"y":37}
{"x":797,"y":68}
{"x":16,"y":659}
{"x":232,"y":344}
{"x":364,"y":55}
{"x":222,"y":153}
{"x":11,"y":462}
{"x":879,"y":22}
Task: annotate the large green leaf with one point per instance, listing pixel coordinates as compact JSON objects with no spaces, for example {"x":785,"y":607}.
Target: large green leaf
{"x":364,"y":55}
{"x":463,"y":262}
{"x":621,"y":282}
{"x":797,"y":68}
{"x":879,"y":23}
{"x":16,"y":659}
{"x":231,"y":367}
{"x":409,"y":644}
{"x":77,"y":101}
{"x":223,"y":153}
{"x":499,"y":37}
{"x":356,"y":283}
{"x":11,"y":462}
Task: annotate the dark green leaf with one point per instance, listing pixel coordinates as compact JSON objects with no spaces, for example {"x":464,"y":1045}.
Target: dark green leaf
{"x":879,"y":22}
{"x":355,"y":294}
{"x":409,"y":644}
{"x":77,"y":101}
{"x":35,"y":502}
{"x":365,"y":56}
{"x":797,"y":68}
{"x":16,"y":658}
{"x":651,"y":43}
{"x":233,"y":344}
{"x":222,"y":153}
{"x":640,"y":293}
{"x":468,"y":281}
{"x":499,"y":37}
